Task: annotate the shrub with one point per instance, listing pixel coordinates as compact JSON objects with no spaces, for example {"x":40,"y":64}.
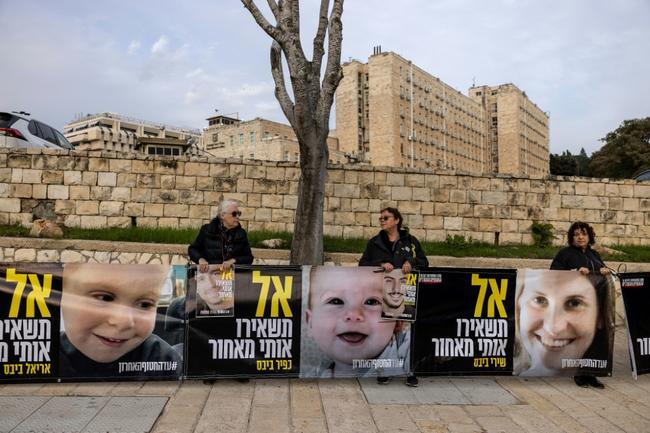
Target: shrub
{"x":542,"y":234}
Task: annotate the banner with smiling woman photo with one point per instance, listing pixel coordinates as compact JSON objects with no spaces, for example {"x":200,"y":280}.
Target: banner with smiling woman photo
{"x":565,"y":324}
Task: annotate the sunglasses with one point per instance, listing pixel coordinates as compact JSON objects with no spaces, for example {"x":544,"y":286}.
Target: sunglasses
{"x":384,"y":218}
{"x":236,"y":213}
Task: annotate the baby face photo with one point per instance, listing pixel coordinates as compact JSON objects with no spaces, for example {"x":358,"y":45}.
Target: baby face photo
{"x":110,"y":310}
{"x":562,"y":316}
{"x":344,"y":318}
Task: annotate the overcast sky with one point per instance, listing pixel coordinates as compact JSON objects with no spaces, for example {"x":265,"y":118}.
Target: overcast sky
{"x":585,"y":62}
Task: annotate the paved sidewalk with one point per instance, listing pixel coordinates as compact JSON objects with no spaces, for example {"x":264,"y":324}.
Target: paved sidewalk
{"x":439,"y":405}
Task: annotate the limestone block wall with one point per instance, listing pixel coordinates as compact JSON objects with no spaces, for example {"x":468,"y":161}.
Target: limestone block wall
{"x":107,"y":189}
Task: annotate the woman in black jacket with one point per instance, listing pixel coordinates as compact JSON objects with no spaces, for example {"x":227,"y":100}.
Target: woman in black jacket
{"x":394,"y":248}
{"x":222,"y":241}
{"x":581,"y":257}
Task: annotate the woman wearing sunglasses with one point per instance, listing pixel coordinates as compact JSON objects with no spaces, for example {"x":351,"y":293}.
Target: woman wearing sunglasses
{"x":394,"y":248}
{"x":222,"y":241}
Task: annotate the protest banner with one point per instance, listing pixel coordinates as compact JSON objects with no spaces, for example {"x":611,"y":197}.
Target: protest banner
{"x":344,"y":334}
{"x":565,"y":323}
{"x":248,"y":326}
{"x":635,"y":288}
{"x":29,"y":322}
{"x":465,"y":323}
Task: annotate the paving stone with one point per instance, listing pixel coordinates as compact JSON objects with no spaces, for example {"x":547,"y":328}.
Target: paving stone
{"x":394,"y":392}
{"x":392,"y":418}
{"x":184,"y":409}
{"x":531,"y":420}
{"x":227,"y":408}
{"x":305,"y":400}
{"x":127,"y":414}
{"x":62,"y":414}
{"x":439,"y":391}
{"x":345,"y":407}
{"x":16,"y":409}
{"x":270,"y":419}
{"x":498,"y":424}
{"x":484,"y":391}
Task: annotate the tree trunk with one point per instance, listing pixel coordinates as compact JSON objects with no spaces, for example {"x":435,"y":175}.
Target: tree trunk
{"x":310,"y":113}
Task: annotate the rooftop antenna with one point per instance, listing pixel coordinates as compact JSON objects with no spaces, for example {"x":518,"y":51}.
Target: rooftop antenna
{"x":473,"y":81}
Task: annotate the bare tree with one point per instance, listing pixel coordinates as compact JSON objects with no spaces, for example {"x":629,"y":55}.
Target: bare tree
{"x":309,"y":110}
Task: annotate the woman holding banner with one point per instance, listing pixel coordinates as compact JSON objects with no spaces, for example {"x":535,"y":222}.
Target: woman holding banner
{"x":222,"y":241}
{"x":394,"y":248}
{"x":580,"y":256}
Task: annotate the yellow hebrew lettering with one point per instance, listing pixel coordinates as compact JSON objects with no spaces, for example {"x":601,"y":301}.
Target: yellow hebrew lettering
{"x":482,"y":283}
{"x":21,"y":281}
{"x":410,"y":280}
{"x":497,"y":298}
{"x":281,"y":296}
{"x":264,"y":292}
{"x":227,"y":275}
{"x":279,"y":299}
{"x":37,"y":296}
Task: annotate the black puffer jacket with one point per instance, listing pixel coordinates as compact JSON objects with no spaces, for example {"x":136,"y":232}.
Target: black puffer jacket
{"x":406,"y":248}
{"x":571,"y":257}
{"x":216,"y":244}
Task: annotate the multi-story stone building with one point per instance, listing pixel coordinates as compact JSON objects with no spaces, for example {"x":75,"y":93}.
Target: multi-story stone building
{"x":518,"y":130}
{"x":111,"y":131}
{"x":391,"y":112}
{"x":259,"y":139}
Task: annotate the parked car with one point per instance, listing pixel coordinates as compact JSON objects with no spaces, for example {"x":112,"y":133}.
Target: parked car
{"x":18,"y":129}
{"x":644,"y":175}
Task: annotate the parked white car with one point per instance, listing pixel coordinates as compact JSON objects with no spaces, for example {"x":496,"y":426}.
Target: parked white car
{"x":18,"y":129}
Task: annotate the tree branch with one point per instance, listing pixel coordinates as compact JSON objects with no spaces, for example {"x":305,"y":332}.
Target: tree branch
{"x":319,"y":39}
{"x":260,"y":20}
{"x":281,"y":93}
{"x":274,"y":9}
{"x":333,"y":71}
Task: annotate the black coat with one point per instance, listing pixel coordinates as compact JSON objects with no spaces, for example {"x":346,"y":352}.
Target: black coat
{"x":216,"y":244}
{"x":571,"y":258}
{"x":406,"y":248}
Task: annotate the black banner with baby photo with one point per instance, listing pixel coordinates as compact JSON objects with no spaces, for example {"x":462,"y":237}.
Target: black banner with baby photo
{"x":635,"y":288}
{"x":244,"y":323}
{"x":86,"y":321}
{"x":29,"y":322}
{"x":113,"y":323}
{"x":465,"y":322}
{"x":565,"y":323}
{"x":349,"y":326}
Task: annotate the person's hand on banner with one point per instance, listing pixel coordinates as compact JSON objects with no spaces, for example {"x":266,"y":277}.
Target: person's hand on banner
{"x":203,"y":265}
{"x":387,"y":267}
{"x":604,"y":271}
{"x":225,"y":266}
{"x":406,"y":268}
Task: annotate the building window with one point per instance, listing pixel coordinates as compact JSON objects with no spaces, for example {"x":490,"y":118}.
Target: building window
{"x":232,"y":140}
{"x":215,"y":137}
{"x":252,"y":135}
{"x":241,"y":138}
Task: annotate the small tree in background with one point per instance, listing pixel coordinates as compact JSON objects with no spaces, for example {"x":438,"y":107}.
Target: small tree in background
{"x":542,"y":234}
{"x":626,"y":151}
{"x":309,"y":110}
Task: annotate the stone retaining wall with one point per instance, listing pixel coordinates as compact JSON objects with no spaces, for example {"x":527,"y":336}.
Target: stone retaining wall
{"x":105,"y":189}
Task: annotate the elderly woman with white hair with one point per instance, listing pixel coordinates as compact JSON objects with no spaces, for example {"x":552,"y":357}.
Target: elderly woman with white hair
{"x":222,"y":241}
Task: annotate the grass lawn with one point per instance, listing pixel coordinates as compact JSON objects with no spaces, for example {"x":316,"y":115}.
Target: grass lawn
{"x":456,"y":246}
